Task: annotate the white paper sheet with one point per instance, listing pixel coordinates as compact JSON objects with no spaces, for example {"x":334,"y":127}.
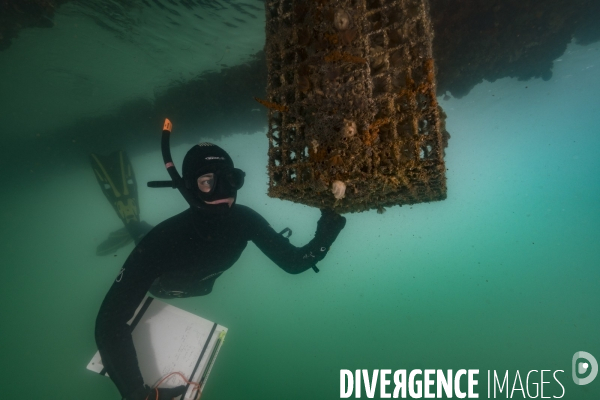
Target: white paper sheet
{"x":168,"y":339}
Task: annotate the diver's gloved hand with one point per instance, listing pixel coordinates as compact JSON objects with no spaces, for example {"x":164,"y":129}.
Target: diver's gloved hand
{"x":147,"y":393}
{"x":329,"y":226}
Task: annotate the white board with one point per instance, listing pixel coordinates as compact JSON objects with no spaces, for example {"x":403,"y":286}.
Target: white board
{"x":168,"y":339}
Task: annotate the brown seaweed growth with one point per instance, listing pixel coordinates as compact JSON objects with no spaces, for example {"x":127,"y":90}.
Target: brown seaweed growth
{"x":332,"y":38}
{"x":339,"y":56}
{"x":372,"y":133}
{"x":271,"y":105}
{"x":362,"y":129}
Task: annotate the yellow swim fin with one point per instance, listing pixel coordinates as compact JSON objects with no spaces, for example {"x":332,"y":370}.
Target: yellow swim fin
{"x":117,"y":181}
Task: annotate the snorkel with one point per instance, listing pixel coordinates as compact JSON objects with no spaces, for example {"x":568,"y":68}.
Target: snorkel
{"x":177,"y":181}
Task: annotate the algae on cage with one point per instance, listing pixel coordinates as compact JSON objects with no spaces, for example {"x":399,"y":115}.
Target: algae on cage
{"x":353,"y":119}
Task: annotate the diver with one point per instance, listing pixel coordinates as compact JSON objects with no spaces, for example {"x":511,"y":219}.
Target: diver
{"x":185,"y":254}
{"x":116,"y":178}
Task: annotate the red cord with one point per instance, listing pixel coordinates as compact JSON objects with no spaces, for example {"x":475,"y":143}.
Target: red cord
{"x":194,"y":384}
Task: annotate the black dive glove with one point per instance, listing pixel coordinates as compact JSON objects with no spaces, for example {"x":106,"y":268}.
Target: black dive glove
{"x":329,"y":226}
{"x":151,"y":394}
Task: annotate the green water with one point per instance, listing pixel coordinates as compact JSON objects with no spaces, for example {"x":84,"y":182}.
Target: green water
{"x":503,"y":275}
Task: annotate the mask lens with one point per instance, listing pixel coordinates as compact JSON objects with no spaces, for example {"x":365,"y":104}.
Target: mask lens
{"x":206,"y":183}
{"x":235,"y":177}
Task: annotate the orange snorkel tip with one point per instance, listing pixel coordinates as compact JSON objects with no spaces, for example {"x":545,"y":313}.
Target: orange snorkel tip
{"x":168,"y":126}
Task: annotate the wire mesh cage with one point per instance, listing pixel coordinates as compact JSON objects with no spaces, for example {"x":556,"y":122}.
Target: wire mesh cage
{"x":354,"y":122}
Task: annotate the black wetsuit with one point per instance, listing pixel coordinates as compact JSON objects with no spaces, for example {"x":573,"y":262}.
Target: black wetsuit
{"x":183,"y":256}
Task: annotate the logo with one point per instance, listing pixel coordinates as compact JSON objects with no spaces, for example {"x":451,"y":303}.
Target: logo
{"x":581,"y":367}
{"x":120,"y":276}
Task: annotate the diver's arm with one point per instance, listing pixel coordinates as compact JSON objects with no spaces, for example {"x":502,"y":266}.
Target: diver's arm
{"x":294,"y":259}
{"x":113,"y":335}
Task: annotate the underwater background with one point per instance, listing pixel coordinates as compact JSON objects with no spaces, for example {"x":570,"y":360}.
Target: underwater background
{"x":502,"y":275}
